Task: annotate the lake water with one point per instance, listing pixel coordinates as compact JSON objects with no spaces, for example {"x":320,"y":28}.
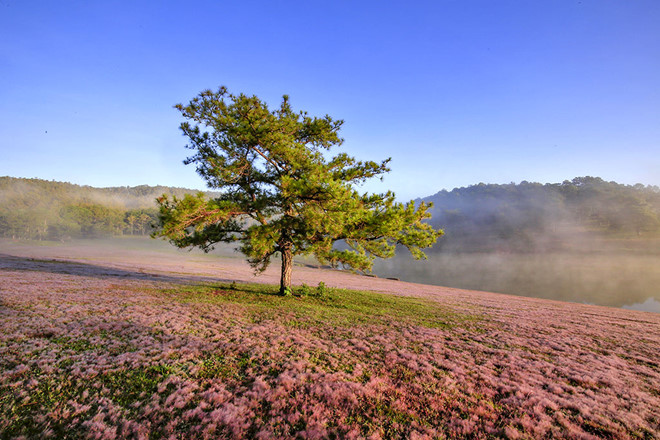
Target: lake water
{"x":630,"y":281}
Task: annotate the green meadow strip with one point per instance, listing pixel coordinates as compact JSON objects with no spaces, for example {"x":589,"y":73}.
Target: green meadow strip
{"x":308,"y":307}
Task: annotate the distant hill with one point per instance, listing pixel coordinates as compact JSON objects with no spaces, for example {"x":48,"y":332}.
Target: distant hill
{"x":479,"y":218}
{"x":540,"y":217}
{"x":41,"y":209}
{"x":34,"y":191}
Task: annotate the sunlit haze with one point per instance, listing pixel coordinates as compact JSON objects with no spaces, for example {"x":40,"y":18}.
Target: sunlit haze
{"x":456,"y":92}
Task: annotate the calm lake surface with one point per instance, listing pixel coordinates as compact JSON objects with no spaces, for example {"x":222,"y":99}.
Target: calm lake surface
{"x":630,"y":281}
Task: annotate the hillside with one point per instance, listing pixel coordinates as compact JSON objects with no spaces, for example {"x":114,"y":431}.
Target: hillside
{"x":525,"y":217}
{"x":49,"y":210}
{"x":544,"y":217}
{"x":96,"y":343}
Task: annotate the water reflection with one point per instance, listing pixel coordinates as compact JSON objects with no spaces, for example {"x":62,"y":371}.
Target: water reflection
{"x":630,"y":281}
{"x":650,"y":305}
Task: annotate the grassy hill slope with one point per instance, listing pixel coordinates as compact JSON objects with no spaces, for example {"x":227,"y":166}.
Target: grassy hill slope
{"x":98,"y":350}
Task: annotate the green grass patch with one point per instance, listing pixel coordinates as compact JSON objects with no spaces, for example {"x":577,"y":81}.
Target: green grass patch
{"x":339,"y":307}
{"x":132,"y":385}
{"x":219,"y":366}
{"x":74,"y":344}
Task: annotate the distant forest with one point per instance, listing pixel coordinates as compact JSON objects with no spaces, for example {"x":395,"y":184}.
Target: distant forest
{"x":545,"y":217}
{"x":47,"y":210}
{"x":484,"y":217}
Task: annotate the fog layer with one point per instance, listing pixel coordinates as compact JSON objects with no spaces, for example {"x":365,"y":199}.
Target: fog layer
{"x":631,"y":280}
{"x":584,"y":240}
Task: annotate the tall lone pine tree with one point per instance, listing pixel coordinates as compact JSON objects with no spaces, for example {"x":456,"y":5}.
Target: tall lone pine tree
{"x":279,"y":193}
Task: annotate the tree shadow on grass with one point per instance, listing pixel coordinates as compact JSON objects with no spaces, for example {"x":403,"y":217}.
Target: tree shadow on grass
{"x":11,"y":262}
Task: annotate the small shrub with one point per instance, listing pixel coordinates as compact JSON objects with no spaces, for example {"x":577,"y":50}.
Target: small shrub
{"x":321,"y":290}
{"x":305,"y":290}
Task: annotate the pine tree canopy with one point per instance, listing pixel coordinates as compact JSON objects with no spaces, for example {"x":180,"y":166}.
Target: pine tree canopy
{"x":281,"y":194}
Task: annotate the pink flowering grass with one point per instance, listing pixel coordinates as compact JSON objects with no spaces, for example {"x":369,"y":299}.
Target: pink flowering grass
{"x":105,"y":356}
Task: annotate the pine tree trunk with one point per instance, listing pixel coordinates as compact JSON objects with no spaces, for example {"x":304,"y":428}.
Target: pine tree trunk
{"x":287,"y":267}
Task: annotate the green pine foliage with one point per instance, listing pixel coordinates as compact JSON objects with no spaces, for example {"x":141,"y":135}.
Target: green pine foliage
{"x":279,"y":192}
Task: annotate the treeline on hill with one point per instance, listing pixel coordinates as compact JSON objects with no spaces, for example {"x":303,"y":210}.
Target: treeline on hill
{"x":47,"y":210}
{"x":542,"y":217}
{"x":484,"y":217}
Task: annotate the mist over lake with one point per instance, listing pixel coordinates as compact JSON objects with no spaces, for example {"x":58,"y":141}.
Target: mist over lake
{"x":584,"y":240}
{"x":618,"y":280}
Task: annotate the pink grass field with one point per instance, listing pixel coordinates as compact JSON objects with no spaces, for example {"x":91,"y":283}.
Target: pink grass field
{"x":95,"y":343}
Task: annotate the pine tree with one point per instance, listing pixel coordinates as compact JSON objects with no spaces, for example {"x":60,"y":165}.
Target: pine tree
{"x":279,"y":192}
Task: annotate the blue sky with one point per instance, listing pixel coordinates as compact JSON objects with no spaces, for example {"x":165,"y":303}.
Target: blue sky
{"x":457,"y":92}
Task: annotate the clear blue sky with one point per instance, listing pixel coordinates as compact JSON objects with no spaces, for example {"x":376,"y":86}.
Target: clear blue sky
{"x":457,"y":92}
